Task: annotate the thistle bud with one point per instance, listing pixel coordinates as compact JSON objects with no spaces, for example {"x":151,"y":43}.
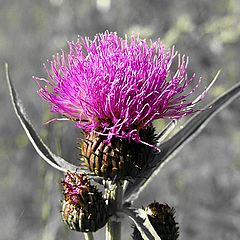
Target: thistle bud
{"x":83,"y":207}
{"x":162,"y":219}
{"x":120,"y":158}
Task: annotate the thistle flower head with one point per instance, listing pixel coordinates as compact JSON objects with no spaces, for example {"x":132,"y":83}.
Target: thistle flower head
{"x":116,"y":87}
{"x":163,"y":221}
{"x":83,"y":207}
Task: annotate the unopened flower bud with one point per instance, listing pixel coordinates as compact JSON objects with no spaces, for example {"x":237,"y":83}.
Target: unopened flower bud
{"x":162,"y":219}
{"x":83,"y":207}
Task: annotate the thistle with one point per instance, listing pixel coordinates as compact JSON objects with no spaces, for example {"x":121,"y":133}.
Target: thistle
{"x":163,"y":221}
{"x":83,"y":207}
{"x":114,"y":88}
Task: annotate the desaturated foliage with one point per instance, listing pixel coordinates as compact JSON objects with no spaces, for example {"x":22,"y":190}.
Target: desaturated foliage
{"x":201,"y":182}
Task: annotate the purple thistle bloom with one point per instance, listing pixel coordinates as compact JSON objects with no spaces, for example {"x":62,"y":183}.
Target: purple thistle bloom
{"x":116,"y":87}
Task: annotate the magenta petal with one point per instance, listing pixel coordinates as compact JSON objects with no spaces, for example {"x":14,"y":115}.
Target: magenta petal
{"x":115,"y":87}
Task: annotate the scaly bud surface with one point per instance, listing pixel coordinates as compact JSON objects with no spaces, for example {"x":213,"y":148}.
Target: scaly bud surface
{"x":83,"y":207}
{"x":163,"y":221}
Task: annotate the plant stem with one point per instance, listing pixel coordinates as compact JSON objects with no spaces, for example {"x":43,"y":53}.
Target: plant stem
{"x":114,"y":194}
{"x":88,"y":236}
{"x":113,"y":231}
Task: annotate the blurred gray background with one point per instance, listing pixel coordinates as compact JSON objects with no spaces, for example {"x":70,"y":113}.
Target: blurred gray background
{"x":202,"y":181}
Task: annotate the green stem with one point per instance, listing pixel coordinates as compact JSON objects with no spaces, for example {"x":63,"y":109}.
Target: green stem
{"x":113,"y":231}
{"x":88,"y":236}
{"x":114,"y":194}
